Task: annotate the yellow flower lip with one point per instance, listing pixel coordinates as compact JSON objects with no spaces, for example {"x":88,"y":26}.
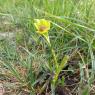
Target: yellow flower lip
{"x":42,"y":25}
{"x":42,"y":28}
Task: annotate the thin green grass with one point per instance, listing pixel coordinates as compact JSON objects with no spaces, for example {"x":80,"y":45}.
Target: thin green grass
{"x":72,"y":29}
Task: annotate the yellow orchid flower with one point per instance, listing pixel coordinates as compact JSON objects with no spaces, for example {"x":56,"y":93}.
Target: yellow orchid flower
{"x":42,"y":25}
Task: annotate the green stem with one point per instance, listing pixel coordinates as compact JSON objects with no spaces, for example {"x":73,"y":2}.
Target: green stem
{"x":54,"y":56}
{"x":55,"y":62}
{"x":52,"y":50}
{"x":52,"y":89}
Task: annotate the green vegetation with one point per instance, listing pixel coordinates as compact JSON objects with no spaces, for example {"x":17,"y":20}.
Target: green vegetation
{"x":26,"y":60}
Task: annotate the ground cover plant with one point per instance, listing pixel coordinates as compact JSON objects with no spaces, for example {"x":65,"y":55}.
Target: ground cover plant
{"x":47,"y":47}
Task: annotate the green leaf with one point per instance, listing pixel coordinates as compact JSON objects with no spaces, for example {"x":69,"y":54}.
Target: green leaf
{"x":63,"y":62}
{"x":85,"y":91}
{"x":60,"y":67}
